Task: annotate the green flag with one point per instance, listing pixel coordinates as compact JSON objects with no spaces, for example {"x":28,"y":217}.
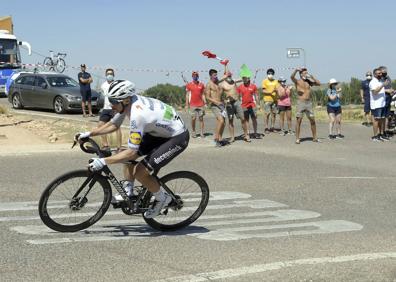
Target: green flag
{"x":245,"y":71}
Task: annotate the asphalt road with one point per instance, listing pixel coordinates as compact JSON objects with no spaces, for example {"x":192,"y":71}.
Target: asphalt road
{"x":278,"y":212}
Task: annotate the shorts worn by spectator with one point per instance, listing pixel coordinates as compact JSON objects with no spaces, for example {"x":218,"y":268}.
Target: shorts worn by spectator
{"x":304,"y":107}
{"x":234,"y":109}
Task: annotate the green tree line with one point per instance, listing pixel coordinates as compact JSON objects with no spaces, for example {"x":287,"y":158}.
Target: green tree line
{"x":176,"y":95}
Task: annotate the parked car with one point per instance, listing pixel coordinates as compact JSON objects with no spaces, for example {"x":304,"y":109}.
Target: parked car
{"x":49,"y":91}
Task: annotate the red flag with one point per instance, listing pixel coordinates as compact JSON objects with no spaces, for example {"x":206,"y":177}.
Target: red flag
{"x":209,"y":54}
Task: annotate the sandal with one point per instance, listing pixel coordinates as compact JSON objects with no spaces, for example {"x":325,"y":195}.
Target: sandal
{"x":298,"y":141}
{"x":247,"y":140}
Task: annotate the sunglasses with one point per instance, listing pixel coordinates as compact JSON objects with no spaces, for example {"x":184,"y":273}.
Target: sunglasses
{"x":114,"y":101}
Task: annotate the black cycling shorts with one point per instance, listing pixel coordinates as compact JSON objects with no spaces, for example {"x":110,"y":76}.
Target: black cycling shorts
{"x":160,"y":151}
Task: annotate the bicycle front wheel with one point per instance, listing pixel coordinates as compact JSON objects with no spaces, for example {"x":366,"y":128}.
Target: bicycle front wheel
{"x":75,"y":201}
{"x":60,"y":66}
{"x":48,"y":64}
{"x":192,"y":196}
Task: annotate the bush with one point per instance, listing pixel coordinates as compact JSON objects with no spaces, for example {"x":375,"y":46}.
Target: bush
{"x":167,"y":93}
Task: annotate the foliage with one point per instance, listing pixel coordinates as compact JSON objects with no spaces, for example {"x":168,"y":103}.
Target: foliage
{"x":167,"y":93}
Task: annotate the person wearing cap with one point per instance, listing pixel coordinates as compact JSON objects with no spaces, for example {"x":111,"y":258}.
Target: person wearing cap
{"x":365,"y":96}
{"x":389,"y":92}
{"x":85,"y":80}
{"x":334,"y":110}
{"x":196,"y":102}
{"x":284,"y":106}
{"x":377,"y":105}
{"x":249,"y":95}
{"x":304,"y":101}
{"x":269,"y":85}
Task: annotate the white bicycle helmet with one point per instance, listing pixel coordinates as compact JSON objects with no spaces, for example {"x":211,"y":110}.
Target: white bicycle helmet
{"x":121,"y":89}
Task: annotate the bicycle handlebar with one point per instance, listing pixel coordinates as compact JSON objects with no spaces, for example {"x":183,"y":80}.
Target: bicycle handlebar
{"x":93,"y":149}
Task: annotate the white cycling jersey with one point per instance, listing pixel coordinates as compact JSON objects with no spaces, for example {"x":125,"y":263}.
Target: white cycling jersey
{"x":150,"y":116}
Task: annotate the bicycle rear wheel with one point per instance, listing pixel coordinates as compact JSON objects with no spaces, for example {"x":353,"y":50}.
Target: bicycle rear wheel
{"x":74,"y":201}
{"x":60,"y":66}
{"x":192,"y":194}
{"x":48,"y":64}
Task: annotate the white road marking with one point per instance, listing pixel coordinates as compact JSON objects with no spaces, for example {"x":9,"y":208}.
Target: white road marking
{"x":260,"y":268}
{"x":254,"y":204}
{"x":317,"y":227}
{"x":350,"y":177}
{"x":214,"y":196}
{"x":107,"y":226}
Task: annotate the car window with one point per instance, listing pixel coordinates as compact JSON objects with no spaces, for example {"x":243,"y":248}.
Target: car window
{"x":27,"y":80}
{"x":39,"y":81}
{"x":61,"y":81}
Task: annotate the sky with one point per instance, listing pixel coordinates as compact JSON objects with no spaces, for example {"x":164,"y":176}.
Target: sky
{"x":341,"y":39}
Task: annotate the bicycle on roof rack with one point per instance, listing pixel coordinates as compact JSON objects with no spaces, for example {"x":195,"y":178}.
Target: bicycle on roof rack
{"x":55,"y":63}
{"x":78,"y":199}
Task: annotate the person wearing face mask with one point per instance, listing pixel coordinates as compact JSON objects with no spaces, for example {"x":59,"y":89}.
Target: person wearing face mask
{"x":388,"y":98}
{"x":304,"y":102}
{"x":284,"y":106}
{"x":195,"y":102}
{"x":334,"y":110}
{"x":365,"y":95}
{"x":377,"y":105}
{"x":107,"y":113}
{"x":269,"y":85}
{"x":249,"y":95}
{"x":213,"y":96}
{"x":233,"y":105}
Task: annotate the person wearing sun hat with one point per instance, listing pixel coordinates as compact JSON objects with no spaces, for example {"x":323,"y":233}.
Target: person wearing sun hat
{"x":334,"y":109}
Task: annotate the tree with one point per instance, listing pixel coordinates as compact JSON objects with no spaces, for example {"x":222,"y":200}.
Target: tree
{"x":167,"y":93}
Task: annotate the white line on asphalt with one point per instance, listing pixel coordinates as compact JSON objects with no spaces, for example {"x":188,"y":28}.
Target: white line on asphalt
{"x":214,"y":196}
{"x":112,"y":226}
{"x":259,"y":268}
{"x":254,"y":204}
{"x":350,"y":177}
{"x":316,"y":227}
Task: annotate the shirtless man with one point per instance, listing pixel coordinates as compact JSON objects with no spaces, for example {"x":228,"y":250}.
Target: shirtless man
{"x":304,"y":103}
{"x":233,"y":106}
{"x":213,"y":96}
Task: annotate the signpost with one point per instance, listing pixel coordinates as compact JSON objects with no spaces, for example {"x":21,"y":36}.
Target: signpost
{"x":295,"y":53}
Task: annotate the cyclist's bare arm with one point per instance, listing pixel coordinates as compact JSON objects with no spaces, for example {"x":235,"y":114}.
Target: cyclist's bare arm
{"x":126,"y":155}
{"x":106,"y":128}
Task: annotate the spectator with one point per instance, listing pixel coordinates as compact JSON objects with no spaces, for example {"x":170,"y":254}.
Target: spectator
{"x":388,"y":98}
{"x":195,"y":102}
{"x":85,"y":80}
{"x":213,"y":95}
{"x":270,"y":98}
{"x":107,"y":112}
{"x":233,"y":105}
{"x":250,"y":99}
{"x":377,"y":105}
{"x":304,"y":102}
{"x":365,"y":95}
{"x":334,"y":110}
{"x":284,"y":106}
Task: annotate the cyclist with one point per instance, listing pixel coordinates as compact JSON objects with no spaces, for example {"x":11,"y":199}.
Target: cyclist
{"x":156,"y":132}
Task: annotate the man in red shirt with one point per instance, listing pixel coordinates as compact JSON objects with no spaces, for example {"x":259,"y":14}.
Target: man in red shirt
{"x":196,"y":102}
{"x":250,"y":98}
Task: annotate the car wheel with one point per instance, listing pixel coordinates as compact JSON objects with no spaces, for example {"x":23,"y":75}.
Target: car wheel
{"x":16,"y":101}
{"x":59,"y":105}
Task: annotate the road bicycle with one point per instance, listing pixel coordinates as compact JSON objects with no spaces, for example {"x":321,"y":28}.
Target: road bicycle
{"x":78,"y":199}
{"x":55,"y":63}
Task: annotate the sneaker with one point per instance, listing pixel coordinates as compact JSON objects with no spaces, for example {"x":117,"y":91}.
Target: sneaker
{"x":376,"y":139}
{"x":339,"y":136}
{"x":331,"y":137}
{"x":158,"y":206}
{"x":128,"y":187}
{"x":383,"y":138}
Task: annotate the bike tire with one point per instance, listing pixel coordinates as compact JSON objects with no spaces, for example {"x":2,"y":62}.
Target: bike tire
{"x":60,"y":66}
{"x":202,"y":195}
{"x":53,"y":221}
{"x":48,"y":64}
